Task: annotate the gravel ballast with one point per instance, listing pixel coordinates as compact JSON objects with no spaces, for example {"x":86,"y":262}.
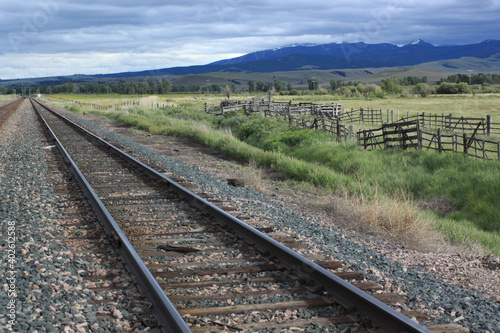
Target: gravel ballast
{"x":445,"y":302}
{"x":44,"y":284}
{"x":28,"y":200}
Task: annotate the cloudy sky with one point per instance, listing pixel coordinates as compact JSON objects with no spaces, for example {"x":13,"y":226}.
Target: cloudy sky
{"x":61,"y":37}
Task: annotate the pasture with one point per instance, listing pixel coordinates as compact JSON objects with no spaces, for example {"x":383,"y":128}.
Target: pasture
{"x":390,"y":190}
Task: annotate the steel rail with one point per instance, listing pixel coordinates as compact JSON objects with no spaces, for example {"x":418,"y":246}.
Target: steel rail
{"x":343,"y":292}
{"x":165,"y":312}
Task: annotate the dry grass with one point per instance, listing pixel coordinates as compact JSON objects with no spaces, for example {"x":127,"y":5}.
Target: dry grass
{"x":252,"y":176}
{"x":395,"y":219}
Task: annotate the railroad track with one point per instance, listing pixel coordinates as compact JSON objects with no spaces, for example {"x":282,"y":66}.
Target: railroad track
{"x":7,"y":109}
{"x":112,"y":290}
{"x":218,"y":272}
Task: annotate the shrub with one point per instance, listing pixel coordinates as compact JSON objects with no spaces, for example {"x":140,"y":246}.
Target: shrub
{"x":453,"y":88}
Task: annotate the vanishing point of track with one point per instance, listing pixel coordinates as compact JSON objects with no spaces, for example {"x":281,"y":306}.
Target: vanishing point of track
{"x":209,"y":263}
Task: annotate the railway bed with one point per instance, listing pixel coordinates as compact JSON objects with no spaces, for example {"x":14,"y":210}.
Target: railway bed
{"x":189,"y":234}
{"x":216,"y":280}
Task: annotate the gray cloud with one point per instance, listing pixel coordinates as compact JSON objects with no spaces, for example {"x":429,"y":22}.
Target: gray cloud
{"x":155,"y":34}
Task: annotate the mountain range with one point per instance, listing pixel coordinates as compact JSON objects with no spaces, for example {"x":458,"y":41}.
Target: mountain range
{"x":335,"y":56}
{"x":307,"y":57}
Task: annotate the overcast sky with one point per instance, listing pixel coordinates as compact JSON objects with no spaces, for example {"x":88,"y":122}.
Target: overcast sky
{"x":61,"y":37}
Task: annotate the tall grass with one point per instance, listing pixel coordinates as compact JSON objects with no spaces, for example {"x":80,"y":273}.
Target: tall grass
{"x":470,"y":188}
{"x":384,"y":187}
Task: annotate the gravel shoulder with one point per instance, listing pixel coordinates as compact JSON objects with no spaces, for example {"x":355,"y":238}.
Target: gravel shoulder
{"x":455,"y":286}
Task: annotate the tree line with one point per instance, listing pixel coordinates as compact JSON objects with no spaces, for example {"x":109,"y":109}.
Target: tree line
{"x":453,"y":84}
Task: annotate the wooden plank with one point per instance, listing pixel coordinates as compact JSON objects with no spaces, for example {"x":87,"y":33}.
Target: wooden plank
{"x":232,"y":296}
{"x":200,"y":244}
{"x":205,"y":262}
{"x":172,"y":254}
{"x":223,"y":310}
{"x":448,"y":328}
{"x":205,"y":284}
{"x":368,"y":285}
{"x":289,"y":323}
{"x":220,"y":271}
{"x":390,"y":299}
{"x":178,"y":240}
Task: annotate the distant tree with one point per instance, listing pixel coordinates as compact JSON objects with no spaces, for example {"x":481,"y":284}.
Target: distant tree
{"x":453,"y":88}
{"x":264,"y":86}
{"x":165,"y":86}
{"x":251,"y":86}
{"x":345,"y":91}
{"x":227,"y":90}
{"x":422,"y":89}
{"x":335,"y":84}
{"x":153,"y":87}
{"x":279,"y":85}
{"x":391,"y":85}
{"x":373,"y":90}
{"x":313,"y":83}
{"x":70,"y":87}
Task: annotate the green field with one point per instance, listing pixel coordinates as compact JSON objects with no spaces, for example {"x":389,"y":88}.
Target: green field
{"x":399,"y":192}
{"x":458,"y":105}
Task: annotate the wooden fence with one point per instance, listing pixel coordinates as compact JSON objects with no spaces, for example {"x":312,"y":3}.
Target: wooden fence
{"x":453,"y":134}
{"x":409,"y":134}
{"x":457,"y":124}
{"x":402,"y":135}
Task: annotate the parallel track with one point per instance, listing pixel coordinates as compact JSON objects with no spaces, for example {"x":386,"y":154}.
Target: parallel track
{"x":8,"y":109}
{"x":211,"y":264}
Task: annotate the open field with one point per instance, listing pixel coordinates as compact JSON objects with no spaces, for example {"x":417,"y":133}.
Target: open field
{"x":5,"y":97}
{"x":455,"y":195}
{"x":458,"y":105}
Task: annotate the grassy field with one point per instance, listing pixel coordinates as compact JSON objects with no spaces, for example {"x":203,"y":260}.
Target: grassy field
{"x":458,"y":105}
{"x":401,"y":192}
{"x":5,"y":97}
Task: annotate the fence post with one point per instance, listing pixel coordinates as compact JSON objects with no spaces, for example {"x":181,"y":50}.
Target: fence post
{"x":323,"y":124}
{"x":423,"y":119}
{"x":488,"y":125}
{"x":466,"y":144}
{"x":288,"y":112}
{"x":419,"y":136}
{"x":439,"y":140}
{"x":338,"y":130}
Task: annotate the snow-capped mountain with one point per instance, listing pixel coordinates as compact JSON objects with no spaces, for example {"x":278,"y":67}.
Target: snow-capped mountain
{"x":354,"y":55}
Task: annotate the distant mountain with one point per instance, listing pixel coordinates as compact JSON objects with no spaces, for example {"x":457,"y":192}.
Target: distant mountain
{"x":356,"y":55}
{"x":302,"y":57}
{"x":333,"y":56}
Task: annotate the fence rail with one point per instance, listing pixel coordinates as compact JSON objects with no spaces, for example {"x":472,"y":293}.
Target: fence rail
{"x":410,"y":135}
{"x":454,"y":134}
